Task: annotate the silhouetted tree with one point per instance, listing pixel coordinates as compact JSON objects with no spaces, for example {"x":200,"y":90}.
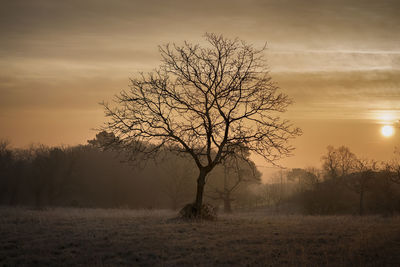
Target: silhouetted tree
{"x":306,"y":179}
{"x":338,"y":161}
{"x":52,"y":169}
{"x":331,"y":195}
{"x":384,"y":194}
{"x":393,"y":167}
{"x":41,"y":174}
{"x":359,"y":180}
{"x":205,"y":101}
{"x":104,"y":140}
{"x":7,"y":180}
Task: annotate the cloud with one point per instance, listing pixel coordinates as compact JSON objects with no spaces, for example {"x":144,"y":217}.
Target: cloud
{"x":341,"y":95}
{"x":333,"y":61}
{"x":337,"y":24}
{"x":337,"y":59}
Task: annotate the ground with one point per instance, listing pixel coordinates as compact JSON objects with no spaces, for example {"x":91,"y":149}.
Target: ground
{"x":117,"y":237}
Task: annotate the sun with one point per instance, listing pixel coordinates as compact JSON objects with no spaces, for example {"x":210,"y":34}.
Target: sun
{"x":387,"y":130}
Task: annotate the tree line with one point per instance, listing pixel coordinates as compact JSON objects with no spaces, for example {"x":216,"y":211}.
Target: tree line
{"x":344,"y":184}
{"x":95,"y":175}
{"x":99,"y":175}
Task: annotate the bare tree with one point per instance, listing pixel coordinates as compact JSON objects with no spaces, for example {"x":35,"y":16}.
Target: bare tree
{"x":306,"y":179}
{"x":205,"y":101}
{"x":359,"y":181}
{"x":6,"y":166}
{"x":393,"y":167}
{"x":338,"y":162}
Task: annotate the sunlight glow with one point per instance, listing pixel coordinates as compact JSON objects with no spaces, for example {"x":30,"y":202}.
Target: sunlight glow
{"x":387,"y":130}
{"x":387,"y":117}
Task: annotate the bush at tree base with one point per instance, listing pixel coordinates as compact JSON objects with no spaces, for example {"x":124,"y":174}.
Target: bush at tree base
{"x":207,"y":212}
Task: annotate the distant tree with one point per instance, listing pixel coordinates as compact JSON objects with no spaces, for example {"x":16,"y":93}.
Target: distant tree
{"x":306,"y":179}
{"x":6,"y":157}
{"x":52,"y":169}
{"x":274,"y":193}
{"x":359,"y":180}
{"x":6,"y":168}
{"x":345,"y":169}
{"x":104,"y":140}
{"x":338,"y":162}
{"x":383,"y":193}
{"x":205,"y":101}
{"x":393,"y":167}
{"x":267,"y":194}
{"x":237,"y":172}
{"x":331,"y":195}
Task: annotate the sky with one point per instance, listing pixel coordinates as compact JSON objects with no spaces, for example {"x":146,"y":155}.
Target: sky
{"x":338,"y":60}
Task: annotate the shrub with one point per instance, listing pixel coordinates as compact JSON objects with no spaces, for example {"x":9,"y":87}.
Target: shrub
{"x":207,"y":212}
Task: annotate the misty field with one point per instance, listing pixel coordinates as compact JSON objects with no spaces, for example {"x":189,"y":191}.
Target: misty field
{"x":110,"y":237}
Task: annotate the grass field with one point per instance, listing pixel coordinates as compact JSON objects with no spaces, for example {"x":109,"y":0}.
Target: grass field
{"x":102,"y":237}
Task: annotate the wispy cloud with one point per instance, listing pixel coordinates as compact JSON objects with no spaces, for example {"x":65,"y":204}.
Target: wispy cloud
{"x":337,"y":59}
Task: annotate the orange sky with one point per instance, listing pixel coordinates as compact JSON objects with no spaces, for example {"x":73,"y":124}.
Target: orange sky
{"x":339,"y":61}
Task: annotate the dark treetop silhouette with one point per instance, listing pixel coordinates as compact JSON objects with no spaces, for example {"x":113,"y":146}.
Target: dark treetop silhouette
{"x":205,"y":101}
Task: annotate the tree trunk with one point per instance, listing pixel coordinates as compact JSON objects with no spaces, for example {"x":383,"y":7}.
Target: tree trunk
{"x":201,"y":181}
